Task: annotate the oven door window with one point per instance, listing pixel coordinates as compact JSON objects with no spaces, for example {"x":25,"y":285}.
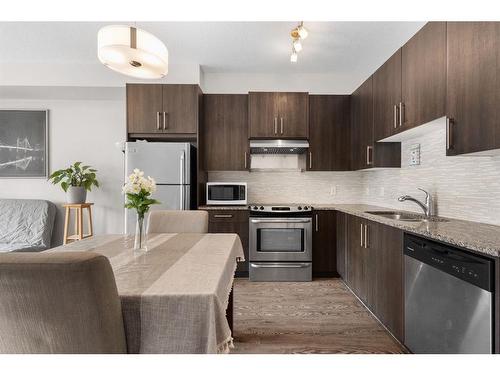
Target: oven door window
{"x":280,"y":240}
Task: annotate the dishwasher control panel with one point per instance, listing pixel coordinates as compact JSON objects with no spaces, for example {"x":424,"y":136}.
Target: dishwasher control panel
{"x":462,"y":264}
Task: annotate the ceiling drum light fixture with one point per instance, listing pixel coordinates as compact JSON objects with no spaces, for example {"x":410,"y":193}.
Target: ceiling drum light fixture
{"x":132,"y":51}
{"x":299,"y":33}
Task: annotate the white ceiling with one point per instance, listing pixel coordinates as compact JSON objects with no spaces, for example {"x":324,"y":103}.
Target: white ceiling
{"x":222,"y":47}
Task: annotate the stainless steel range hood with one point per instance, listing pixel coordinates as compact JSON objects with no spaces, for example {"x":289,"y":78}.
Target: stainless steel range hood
{"x":278,"y":146}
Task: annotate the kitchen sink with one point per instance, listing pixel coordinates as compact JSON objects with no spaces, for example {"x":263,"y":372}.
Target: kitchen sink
{"x":405,"y":216}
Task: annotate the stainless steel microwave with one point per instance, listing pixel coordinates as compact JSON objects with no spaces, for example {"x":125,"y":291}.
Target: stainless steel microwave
{"x":226,"y":193}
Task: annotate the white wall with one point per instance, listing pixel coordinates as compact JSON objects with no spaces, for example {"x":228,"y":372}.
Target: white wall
{"x":79,"y":130}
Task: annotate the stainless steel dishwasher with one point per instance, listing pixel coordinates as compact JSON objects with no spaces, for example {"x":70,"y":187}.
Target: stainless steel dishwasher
{"x":448,"y":299}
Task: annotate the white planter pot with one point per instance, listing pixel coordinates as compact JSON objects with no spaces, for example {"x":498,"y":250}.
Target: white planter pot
{"x":76,"y":194}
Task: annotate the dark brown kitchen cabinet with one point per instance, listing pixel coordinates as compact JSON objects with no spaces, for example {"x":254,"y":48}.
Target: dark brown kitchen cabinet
{"x":365,"y":153}
{"x":473,"y":87}
{"x":388,"y":306}
{"x":387,"y":97}
{"x":329,"y":133}
{"x":375,"y":270}
{"x":226,"y":132}
{"x":144,"y":108}
{"x":163,"y":109}
{"x":342,"y":244}
{"x":362,"y":126}
{"x":423,"y":76}
{"x":278,"y":115}
{"x":232,"y":221}
{"x":324,"y":244}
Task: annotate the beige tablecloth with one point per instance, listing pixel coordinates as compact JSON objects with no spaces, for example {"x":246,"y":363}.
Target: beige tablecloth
{"x":174,"y":296}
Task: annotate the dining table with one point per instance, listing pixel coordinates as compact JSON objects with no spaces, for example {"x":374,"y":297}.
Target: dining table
{"x":176,"y":296}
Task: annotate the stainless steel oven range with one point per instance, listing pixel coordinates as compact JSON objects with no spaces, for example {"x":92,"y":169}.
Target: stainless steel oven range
{"x":280,"y":243}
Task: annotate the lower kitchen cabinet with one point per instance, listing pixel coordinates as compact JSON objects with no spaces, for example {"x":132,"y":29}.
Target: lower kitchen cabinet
{"x":375,"y":270}
{"x":324,"y":244}
{"x":341,"y":252}
{"x":232,"y":221}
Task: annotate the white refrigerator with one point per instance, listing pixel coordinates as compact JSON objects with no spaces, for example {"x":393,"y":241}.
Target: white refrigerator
{"x":172,"y":165}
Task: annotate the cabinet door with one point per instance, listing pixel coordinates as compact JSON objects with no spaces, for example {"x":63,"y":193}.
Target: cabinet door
{"x":472,"y":86}
{"x":232,"y":221}
{"x":362,"y":126}
{"x":144,"y":108}
{"x":342,"y":244}
{"x":386,"y":97}
{"x":293,"y":110}
{"x":329,"y":133}
{"x":181,"y":106}
{"x":424,"y":76}
{"x":324,"y":244}
{"x":226,"y":132}
{"x":263,"y":115}
{"x":388,"y":283}
{"x":356,"y":278}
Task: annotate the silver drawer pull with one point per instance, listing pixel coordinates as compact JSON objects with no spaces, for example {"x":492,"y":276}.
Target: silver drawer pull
{"x":280,"y":265}
{"x":223,"y":216}
{"x":361,"y":235}
{"x":401,"y":113}
{"x":395,"y":116}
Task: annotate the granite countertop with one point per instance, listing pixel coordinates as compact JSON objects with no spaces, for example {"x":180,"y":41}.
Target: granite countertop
{"x":479,"y":237}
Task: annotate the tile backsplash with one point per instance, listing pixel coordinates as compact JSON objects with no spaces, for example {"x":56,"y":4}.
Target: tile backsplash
{"x":463,"y":187}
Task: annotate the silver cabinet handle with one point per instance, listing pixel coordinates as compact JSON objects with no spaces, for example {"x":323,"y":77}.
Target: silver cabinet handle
{"x":369,"y":160}
{"x":317,"y":223}
{"x":281,"y":121}
{"x":361,"y":235}
{"x":223,"y":216}
{"x":448,"y":133}
{"x":157,"y":120}
{"x":164,"y":120}
{"x":275,"y":125}
{"x":366,"y":236}
{"x":401,"y":113}
{"x":245,"y":160}
{"x":310,"y":160}
{"x":395,"y":116}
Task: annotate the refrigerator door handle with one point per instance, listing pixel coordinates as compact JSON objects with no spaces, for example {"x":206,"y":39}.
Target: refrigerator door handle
{"x":182,"y":181}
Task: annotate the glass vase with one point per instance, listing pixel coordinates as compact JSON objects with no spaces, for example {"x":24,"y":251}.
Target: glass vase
{"x":141,"y":237}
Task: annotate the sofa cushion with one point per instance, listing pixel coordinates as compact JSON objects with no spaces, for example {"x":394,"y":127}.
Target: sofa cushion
{"x":26,"y":224}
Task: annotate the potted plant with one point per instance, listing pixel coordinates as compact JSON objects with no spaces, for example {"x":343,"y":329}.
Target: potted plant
{"x":138,"y":190}
{"x":75,"y":181}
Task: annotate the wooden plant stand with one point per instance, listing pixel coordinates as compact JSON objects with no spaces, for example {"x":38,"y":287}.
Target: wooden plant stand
{"x":78,"y":235}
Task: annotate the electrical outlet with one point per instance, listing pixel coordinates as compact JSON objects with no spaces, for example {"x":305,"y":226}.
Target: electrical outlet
{"x":415,"y":154}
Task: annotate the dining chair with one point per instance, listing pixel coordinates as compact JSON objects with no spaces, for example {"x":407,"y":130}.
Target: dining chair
{"x":65,"y":302}
{"x":166,"y":221}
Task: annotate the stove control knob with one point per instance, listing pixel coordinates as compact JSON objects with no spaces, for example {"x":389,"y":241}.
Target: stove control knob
{"x":249,"y":207}
{"x":261,"y":207}
{"x":300,"y":208}
{"x":255,"y":207}
{"x":306,"y":208}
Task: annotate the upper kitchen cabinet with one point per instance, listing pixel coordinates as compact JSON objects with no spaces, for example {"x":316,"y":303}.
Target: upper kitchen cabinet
{"x":387,"y":97}
{"x":144,"y":108}
{"x":423,"y":77}
{"x":163,"y":109}
{"x":362,"y":125}
{"x":329,"y":133}
{"x":473,"y":87}
{"x":365,"y":152}
{"x":226,"y":132}
{"x":278,"y":115}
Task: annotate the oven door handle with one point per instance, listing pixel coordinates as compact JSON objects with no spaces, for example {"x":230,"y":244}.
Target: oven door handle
{"x":280,"y":265}
{"x":284,"y":221}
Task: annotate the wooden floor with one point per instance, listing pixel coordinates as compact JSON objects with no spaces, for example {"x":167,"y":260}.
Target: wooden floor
{"x":318,"y":317}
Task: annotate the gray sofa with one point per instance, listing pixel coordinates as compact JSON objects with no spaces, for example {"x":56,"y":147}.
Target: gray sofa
{"x":26,"y":224}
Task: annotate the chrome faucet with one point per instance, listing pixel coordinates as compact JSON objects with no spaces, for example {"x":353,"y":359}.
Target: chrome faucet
{"x":427,"y":207}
